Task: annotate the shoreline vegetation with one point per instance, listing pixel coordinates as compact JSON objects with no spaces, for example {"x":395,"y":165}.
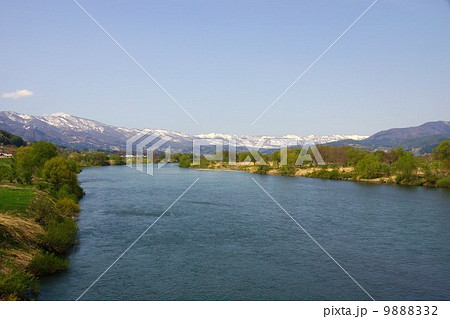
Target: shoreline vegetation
{"x":39,"y":194}
{"x":394,"y":166}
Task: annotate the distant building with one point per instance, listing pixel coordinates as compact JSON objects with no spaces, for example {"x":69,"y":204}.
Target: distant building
{"x":7,"y":155}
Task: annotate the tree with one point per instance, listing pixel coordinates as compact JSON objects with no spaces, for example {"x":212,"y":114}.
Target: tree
{"x":292,"y":156}
{"x":96,"y":158}
{"x":276,"y":157}
{"x":369,"y":167}
{"x":185,"y":160}
{"x":334,"y":154}
{"x":393,"y":155}
{"x":43,"y":151}
{"x":241,"y":157}
{"x":29,"y":160}
{"x":405,"y":166}
{"x":116,"y":159}
{"x":442,"y":153}
{"x":354,"y":155}
{"x":61,"y":174}
{"x":24,"y":163}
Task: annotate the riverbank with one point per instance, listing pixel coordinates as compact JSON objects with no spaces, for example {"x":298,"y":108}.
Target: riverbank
{"x":393,"y":166}
{"x":332,"y":172}
{"x":36,"y":230}
{"x":39,"y":193}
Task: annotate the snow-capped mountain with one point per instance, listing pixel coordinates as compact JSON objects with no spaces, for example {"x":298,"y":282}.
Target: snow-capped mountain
{"x":80,"y":133}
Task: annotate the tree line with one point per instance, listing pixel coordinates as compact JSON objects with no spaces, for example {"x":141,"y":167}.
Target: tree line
{"x":345,"y":162}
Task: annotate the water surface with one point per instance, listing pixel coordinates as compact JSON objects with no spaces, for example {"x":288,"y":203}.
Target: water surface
{"x":225,"y":239}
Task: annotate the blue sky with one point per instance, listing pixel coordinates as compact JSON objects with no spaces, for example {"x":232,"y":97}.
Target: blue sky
{"x":226,"y":61}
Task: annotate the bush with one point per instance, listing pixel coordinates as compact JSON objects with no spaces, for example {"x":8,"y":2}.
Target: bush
{"x":59,"y":235}
{"x":369,"y":167}
{"x":185,"y":160}
{"x":18,"y":285}
{"x":61,"y":174}
{"x":43,"y":209}
{"x":287,"y":170}
{"x":116,"y":159}
{"x":47,"y":263}
{"x":68,"y":207}
{"x":73,"y":193}
{"x":323,"y":173}
{"x":263,"y":169}
{"x":443,"y":182}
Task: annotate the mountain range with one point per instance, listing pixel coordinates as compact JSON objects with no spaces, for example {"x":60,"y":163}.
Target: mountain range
{"x":80,"y":133}
{"x":419,"y":139}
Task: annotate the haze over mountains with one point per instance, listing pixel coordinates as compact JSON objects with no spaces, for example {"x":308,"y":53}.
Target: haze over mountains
{"x":80,"y":133}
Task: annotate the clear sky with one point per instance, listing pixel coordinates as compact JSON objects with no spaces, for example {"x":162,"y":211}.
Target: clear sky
{"x":226,"y":61}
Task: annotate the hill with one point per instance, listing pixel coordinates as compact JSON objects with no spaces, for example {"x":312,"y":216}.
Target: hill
{"x":420,"y":139}
{"x":9,"y":139}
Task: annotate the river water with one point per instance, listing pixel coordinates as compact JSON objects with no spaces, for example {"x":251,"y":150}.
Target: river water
{"x":226,"y":239}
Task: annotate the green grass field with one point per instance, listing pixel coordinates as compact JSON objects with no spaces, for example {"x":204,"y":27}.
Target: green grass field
{"x":15,"y":199}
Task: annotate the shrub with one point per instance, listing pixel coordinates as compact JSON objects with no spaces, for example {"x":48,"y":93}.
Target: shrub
{"x":68,"y":207}
{"x":61,"y":174}
{"x":47,"y":263}
{"x":346,"y":175}
{"x":287,"y":170}
{"x":18,"y":285}
{"x":72,"y":193}
{"x":116,"y":159}
{"x":262,"y":169}
{"x":323,"y":173}
{"x":44,"y":209}
{"x":443,"y":182}
{"x":59,"y":235}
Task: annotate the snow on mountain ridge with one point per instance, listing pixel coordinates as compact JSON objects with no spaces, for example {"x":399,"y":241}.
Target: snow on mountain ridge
{"x":69,"y":130}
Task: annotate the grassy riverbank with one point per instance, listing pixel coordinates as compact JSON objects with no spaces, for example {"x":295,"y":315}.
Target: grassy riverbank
{"x":38,"y":206}
{"x":344,"y":163}
{"x":332,"y":172}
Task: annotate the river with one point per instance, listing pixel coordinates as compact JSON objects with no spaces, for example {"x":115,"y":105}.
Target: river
{"x":226,"y":239}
